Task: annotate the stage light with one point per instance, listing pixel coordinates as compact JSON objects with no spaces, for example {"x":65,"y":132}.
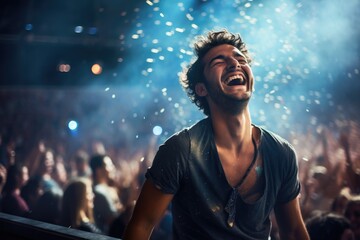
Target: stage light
{"x":28,"y":27}
{"x":72,"y":125}
{"x":78,"y":29}
{"x":157,"y":130}
{"x":96,"y":69}
{"x":64,"y":68}
{"x":93,"y":31}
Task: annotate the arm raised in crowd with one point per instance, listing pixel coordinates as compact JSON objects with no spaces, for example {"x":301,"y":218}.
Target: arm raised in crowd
{"x":351,"y":176}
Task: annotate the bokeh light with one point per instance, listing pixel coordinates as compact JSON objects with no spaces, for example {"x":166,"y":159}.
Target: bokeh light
{"x":157,"y":130}
{"x":73,"y":125}
{"x":96,"y":69}
{"x":306,"y":65}
{"x":78,"y":29}
{"x":305,"y":61}
{"x":64,"y":68}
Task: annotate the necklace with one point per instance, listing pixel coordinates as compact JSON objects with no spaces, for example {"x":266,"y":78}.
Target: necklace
{"x":231,"y":205}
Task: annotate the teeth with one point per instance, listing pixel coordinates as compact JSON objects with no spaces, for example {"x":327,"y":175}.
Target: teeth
{"x":233,"y":78}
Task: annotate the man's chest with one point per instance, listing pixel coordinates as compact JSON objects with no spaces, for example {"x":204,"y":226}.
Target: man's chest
{"x":247,"y":177}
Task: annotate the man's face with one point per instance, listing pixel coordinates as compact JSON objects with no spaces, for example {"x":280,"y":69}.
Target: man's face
{"x":109,"y":168}
{"x":228,"y":76}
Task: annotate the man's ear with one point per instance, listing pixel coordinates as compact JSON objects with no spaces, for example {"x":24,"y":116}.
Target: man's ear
{"x":201,"y":90}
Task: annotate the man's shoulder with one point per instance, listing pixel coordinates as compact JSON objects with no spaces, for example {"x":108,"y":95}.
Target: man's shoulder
{"x":101,"y":189}
{"x":189,"y":132}
{"x":272,"y":139}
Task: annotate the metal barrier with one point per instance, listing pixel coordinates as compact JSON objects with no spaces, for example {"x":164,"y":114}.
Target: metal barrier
{"x":18,"y":228}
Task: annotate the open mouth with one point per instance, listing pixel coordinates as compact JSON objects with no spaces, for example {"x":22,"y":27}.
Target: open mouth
{"x":235,"y":80}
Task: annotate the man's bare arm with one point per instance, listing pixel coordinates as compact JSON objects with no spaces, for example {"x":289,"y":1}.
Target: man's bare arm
{"x":150,"y":207}
{"x":290,"y":221}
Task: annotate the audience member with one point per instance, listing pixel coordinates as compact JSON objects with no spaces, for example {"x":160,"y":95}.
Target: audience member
{"x":45,"y":171}
{"x":323,"y":177}
{"x":77,"y":206}
{"x":12,"y":202}
{"x":352,"y":176}
{"x":107,"y":205}
{"x":82,"y":168}
{"x":117,"y":226}
{"x":32,"y":191}
{"x":3,"y":157}
{"x":352,"y":212}
{"x":3,"y":176}
{"x":328,"y":157}
{"x":59,"y":173}
{"x":329,"y":226}
{"x":47,"y":207}
{"x":340,"y":201}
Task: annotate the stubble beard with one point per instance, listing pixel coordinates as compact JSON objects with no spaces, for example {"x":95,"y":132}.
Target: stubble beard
{"x":231,"y":104}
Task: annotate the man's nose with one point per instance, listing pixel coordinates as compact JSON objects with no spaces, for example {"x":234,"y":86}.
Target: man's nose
{"x":232,"y":63}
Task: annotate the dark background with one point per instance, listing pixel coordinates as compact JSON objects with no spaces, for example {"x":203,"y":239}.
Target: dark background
{"x":306,"y":65}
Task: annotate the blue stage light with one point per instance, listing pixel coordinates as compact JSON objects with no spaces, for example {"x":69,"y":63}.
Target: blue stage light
{"x":72,"y":125}
{"x":157,"y":130}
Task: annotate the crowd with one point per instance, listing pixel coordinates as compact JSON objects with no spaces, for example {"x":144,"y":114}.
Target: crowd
{"x":95,"y":187}
{"x":88,"y":192}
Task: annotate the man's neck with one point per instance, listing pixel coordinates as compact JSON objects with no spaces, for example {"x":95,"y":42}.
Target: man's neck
{"x":101,"y":181}
{"x":232,"y":131}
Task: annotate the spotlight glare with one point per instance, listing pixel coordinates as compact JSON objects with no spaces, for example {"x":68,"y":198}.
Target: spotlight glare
{"x":28,"y":27}
{"x":157,"y":130}
{"x":96,"y":69}
{"x":72,"y":125}
{"x":78,"y":29}
{"x":64,"y":68}
{"x":92,"y":30}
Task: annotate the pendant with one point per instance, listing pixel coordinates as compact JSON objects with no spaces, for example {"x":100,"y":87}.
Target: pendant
{"x":231,"y":207}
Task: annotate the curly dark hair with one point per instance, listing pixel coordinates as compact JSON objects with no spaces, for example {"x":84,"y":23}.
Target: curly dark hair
{"x":194,"y":73}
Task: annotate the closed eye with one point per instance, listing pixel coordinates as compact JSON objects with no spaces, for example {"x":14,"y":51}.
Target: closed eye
{"x":217,"y":62}
{"x":242,"y":60}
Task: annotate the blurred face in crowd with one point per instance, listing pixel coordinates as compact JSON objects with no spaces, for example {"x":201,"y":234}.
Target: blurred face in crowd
{"x":109,"y":168}
{"x":81,"y":167}
{"x":22,"y":176}
{"x":48,"y":162}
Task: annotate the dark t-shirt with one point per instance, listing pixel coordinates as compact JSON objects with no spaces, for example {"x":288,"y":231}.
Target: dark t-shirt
{"x":188,"y":166}
{"x":89,"y":227}
{"x":13,"y":203}
{"x":104,"y":207}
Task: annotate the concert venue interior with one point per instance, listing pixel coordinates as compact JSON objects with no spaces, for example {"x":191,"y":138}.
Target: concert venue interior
{"x":86,"y":73}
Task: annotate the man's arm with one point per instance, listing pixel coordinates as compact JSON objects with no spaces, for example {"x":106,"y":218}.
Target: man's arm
{"x":149,"y":209}
{"x":290,"y":222}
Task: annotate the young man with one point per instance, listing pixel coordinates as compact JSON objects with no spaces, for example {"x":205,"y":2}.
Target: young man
{"x":107,"y":205}
{"x":224,"y":175}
